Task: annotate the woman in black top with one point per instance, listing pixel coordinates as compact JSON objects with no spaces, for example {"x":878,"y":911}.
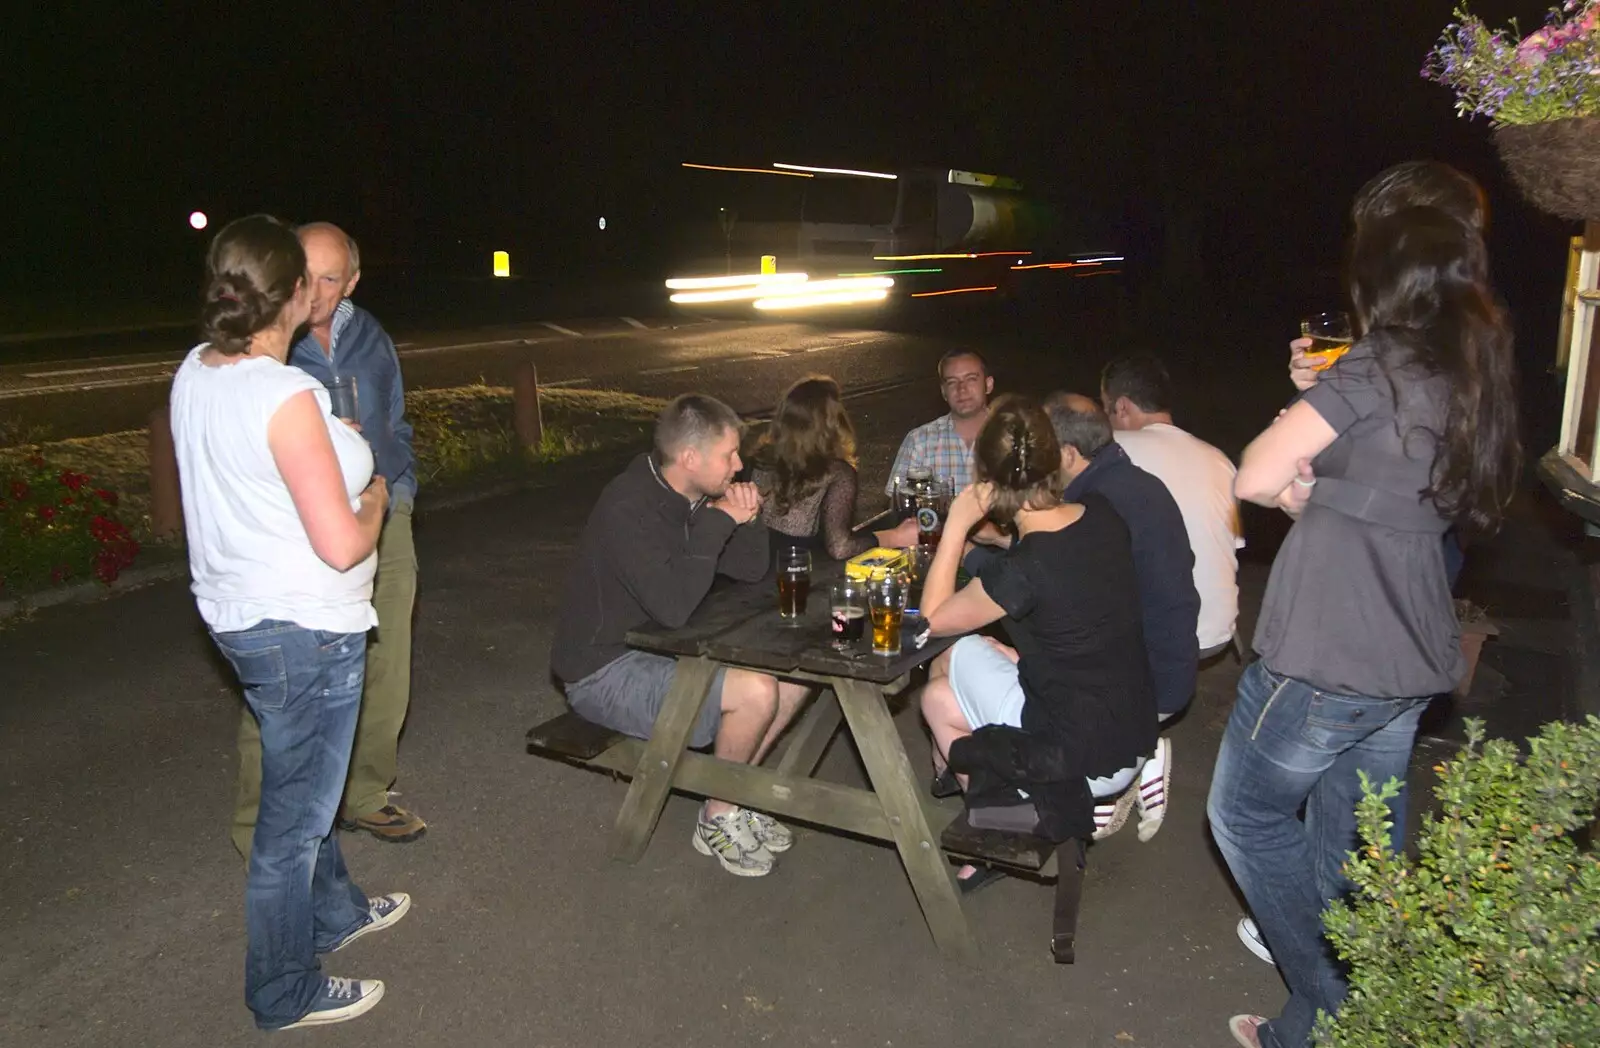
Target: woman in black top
{"x":1077,"y":674}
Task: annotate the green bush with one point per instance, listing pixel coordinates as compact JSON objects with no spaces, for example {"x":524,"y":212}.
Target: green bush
{"x":1492,"y":936}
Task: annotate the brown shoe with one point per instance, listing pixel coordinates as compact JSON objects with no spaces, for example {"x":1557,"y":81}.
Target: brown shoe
{"x":389,"y":823}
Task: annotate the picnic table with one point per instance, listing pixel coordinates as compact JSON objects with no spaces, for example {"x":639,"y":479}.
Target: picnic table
{"x":738,"y":626}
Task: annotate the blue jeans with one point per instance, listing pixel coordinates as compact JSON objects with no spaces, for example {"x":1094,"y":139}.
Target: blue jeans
{"x":1289,"y":744}
{"x":304,"y":686}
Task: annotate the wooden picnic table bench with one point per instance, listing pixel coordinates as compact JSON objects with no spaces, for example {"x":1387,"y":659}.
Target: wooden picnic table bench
{"x":738,"y":626}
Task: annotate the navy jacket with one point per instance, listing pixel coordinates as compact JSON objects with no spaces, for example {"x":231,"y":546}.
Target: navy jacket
{"x":1162,"y":562}
{"x":363,"y":349}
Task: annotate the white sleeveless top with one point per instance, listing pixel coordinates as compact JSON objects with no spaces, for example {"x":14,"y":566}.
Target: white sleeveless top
{"x":249,"y":555}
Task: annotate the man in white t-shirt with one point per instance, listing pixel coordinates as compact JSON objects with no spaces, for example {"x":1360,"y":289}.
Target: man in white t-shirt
{"x":1137,"y":394}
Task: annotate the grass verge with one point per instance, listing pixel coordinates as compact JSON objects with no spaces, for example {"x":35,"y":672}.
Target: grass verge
{"x":464,"y":438}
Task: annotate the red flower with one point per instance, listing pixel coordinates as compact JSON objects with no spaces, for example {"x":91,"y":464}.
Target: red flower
{"x":72,"y":480}
{"x":47,"y":513}
{"x":58,"y":575}
{"x":66,"y":500}
{"x":19,"y":490}
{"x":108,"y":497}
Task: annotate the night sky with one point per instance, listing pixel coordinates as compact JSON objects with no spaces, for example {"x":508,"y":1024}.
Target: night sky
{"x":419,"y":125}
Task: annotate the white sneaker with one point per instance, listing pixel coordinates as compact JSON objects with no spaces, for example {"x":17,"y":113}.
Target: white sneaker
{"x":341,"y":999}
{"x":773,"y":835}
{"x":1250,"y":935}
{"x":1108,"y":818}
{"x":728,"y":839}
{"x":1155,"y":782}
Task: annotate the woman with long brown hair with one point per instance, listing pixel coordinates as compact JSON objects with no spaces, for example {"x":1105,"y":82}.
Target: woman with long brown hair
{"x":805,"y":466}
{"x":1411,"y":432}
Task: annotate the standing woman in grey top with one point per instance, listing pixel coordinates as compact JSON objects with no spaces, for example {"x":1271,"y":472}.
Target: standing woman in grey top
{"x":1412,"y":431}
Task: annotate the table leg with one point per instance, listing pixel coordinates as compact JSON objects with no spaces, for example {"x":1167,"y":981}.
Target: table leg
{"x":809,"y":738}
{"x":652,"y":780}
{"x":898,"y":791}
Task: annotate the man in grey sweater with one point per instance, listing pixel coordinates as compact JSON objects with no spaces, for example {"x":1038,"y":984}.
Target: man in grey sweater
{"x":658,"y":536}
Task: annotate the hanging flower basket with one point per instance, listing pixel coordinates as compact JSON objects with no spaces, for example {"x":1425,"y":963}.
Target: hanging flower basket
{"x":1556,"y":164}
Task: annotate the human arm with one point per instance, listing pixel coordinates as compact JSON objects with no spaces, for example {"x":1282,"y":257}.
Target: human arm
{"x":947,"y":611}
{"x":666,"y":575}
{"x":1272,"y":461}
{"x":748,"y":553}
{"x":404,"y":489}
{"x":297,"y":436}
{"x":838,"y":509}
{"x":988,"y":533}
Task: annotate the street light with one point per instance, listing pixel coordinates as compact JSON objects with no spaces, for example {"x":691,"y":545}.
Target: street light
{"x":198,"y":220}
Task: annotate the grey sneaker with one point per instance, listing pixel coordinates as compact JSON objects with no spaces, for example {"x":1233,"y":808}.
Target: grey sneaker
{"x":341,"y":999}
{"x":728,"y":839}
{"x":382,"y":911}
{"x":773,"y":835}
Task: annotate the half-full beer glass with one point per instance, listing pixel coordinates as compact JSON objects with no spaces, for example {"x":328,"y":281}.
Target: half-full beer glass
{"x":794,"y":582}
{"x":847,"y":604}
{"x":886,"y":598}
{"x":1330,"y":335}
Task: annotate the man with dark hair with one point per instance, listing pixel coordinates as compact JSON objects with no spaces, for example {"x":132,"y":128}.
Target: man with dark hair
{"x":943,"y":447}
{"x":661,"y":531}
{"x":1162,"y":563}
{"x":1137,"y":394}
{"x":344,"y":340}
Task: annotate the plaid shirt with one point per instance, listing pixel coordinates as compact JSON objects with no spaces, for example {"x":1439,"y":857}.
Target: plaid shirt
{"x":938,"y":447}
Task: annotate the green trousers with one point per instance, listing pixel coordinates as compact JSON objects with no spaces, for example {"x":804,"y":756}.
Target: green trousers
{"x":384,"y":698}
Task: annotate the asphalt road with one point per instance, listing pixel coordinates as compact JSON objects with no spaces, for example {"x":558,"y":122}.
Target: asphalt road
{"x":747,"y":361}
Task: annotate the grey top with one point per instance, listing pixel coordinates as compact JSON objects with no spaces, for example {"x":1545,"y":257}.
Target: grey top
{"x":1358,"y":601}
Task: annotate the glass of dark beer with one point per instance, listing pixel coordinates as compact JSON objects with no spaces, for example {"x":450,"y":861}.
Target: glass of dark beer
{"x":933,"y":505}
{"x":847,"y":601}
{"x":794,"y":583}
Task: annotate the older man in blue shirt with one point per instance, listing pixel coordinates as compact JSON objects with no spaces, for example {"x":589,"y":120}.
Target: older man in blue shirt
{"x":345,"y":340}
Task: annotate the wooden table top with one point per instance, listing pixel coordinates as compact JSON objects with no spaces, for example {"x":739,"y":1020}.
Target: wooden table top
{"x":738,"y":624}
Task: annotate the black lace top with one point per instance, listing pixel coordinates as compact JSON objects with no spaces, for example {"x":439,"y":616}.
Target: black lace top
{"x":820,"y":518}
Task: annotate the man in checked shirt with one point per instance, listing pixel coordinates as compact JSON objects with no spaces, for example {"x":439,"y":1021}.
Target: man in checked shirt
{"x":944,"y":446}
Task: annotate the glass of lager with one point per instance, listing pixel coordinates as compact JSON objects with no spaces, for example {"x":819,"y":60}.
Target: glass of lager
{"x":794,"y":583}
{"x":1330,"y":335}
{"x":886,"y":600}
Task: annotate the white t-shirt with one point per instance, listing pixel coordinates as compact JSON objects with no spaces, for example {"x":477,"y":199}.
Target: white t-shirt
{"x":1200,"y":478}
{"x":249,"y":555}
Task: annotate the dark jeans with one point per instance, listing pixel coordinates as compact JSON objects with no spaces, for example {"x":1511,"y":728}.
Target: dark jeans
{"x":1288,"y":744}
{"x":304,"y":686}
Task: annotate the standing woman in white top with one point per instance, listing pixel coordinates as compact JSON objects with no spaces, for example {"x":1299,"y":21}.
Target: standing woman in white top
{"x":282,"y":513}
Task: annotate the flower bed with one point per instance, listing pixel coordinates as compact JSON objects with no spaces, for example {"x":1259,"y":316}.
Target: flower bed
{"x":59,"y":526}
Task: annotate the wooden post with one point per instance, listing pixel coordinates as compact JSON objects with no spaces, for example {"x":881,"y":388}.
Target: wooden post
{"x":166,"y":501}
{"x":525,"y":397}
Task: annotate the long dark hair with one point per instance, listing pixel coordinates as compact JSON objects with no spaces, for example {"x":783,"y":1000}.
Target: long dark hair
{"x":810,"y":431}
{"x":1419,"y":279}
{"x":252,"y":271}
{"x":1018,"y":453}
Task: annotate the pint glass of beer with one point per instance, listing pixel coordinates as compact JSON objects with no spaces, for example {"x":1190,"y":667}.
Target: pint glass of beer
{"x":794,"y":583}
{"x":1330,"y":335}
{"x":886,"y":600}
{"x":847,"y":603}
